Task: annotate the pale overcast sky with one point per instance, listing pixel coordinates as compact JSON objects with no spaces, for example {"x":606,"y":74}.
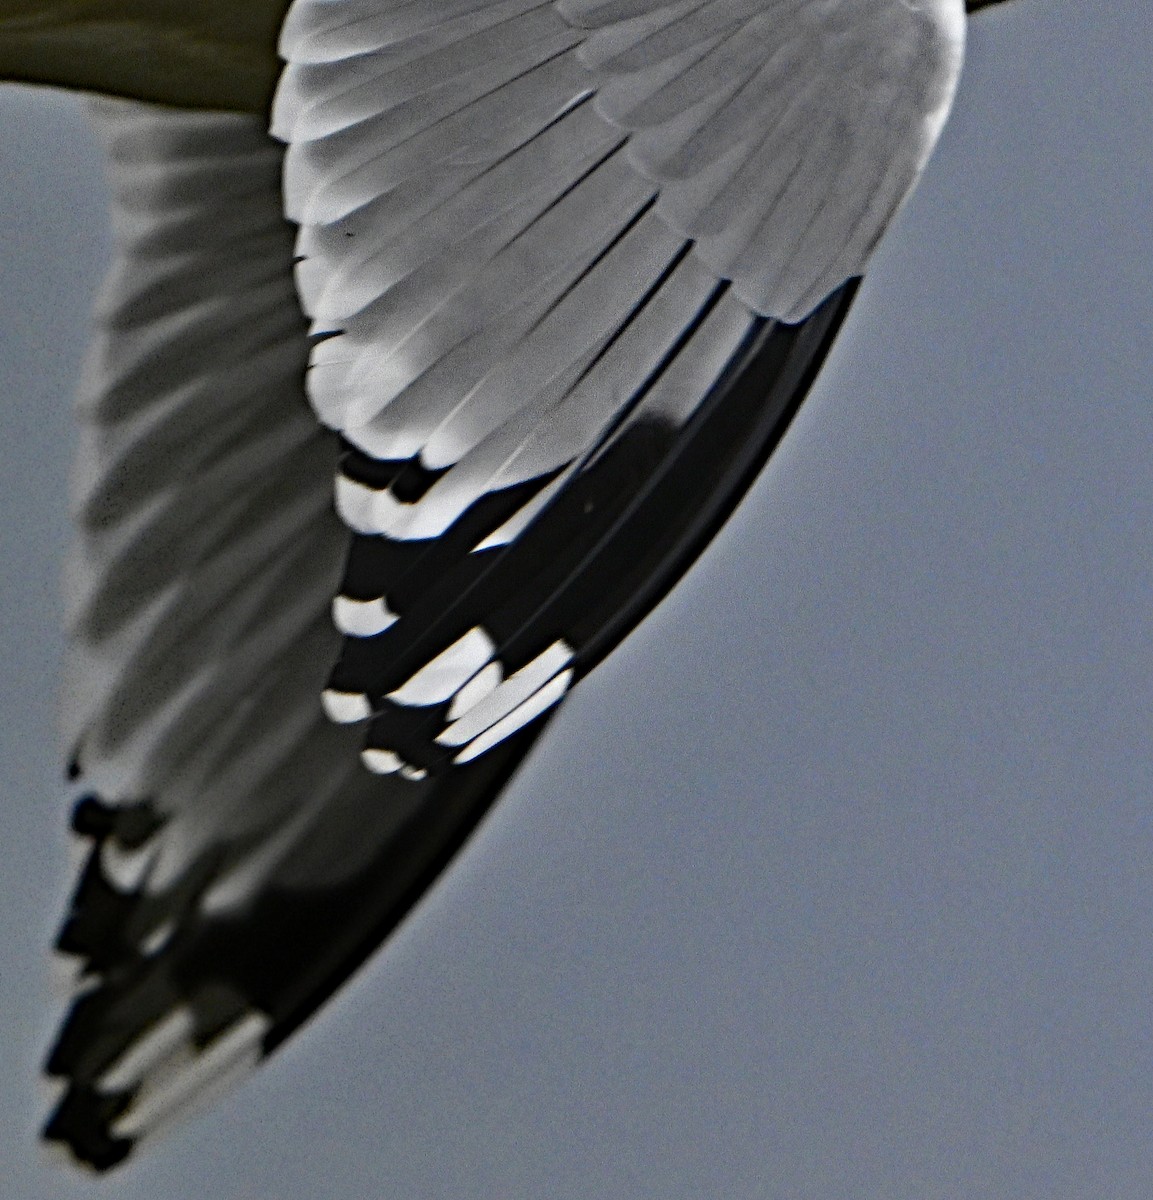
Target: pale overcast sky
{"x":836,"y":882}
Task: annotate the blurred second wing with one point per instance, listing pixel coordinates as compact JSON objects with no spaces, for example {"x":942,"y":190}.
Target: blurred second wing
{"x":239,"y":860}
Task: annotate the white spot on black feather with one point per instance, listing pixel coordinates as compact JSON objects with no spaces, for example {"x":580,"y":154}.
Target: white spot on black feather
{"x":445,"y":675}
{"x":154,"y":942}
{"x":362,"y":618}
{"x":473,"y":692}
{"x":194,"y":1074}
{"x":499,"y":701}
{"x":345,"y":708}
{"x":382,"y":762}
{"x":125,"y":869}
{"x":156,"y":1044}
{"x":550,"y":694}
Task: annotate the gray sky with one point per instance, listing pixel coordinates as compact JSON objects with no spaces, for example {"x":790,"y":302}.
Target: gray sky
{"x":836,"y":882}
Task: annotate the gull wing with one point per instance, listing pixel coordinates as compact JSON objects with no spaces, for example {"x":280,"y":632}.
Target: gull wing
{"x":569,"y":268}
{"x":564,"y":296}
{"x":239,"y":861}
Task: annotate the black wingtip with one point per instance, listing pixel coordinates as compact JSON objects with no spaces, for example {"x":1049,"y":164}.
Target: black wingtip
{"x":130,"y":824}
{"x":82,"y":1124}
{"x":282,"y":956}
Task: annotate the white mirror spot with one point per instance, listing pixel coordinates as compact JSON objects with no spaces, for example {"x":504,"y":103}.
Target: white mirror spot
{"x":373,"y":511}
{"x":473,"y":692}
{"x":382,"y":762}
{"x":448,"y":672}
{"x":66,"y":973}
{"x":362,"y":618}
{"x":125,"y":869}
{"x":156,"y":1044}
{"x":354,"y":504}
{"x":231,"y":1054}
{"x":502,"y":700}
{"x":158,"y":938}
{"x":550,"y":694}
{"x":523,"y":517}
{"x":345,"y":708}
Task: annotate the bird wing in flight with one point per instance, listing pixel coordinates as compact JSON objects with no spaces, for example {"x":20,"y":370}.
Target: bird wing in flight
{"x":241,"y":862}
{"x":547,"y":252}
{"x":533,"y":239}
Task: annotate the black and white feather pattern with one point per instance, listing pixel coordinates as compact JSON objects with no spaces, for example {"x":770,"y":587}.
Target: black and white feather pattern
{"x":534,"y":238}
{"x":567,"y":271}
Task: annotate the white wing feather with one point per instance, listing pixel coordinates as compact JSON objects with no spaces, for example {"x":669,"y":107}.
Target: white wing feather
{"x":783,"y":134}
{"x":431,"y":144}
